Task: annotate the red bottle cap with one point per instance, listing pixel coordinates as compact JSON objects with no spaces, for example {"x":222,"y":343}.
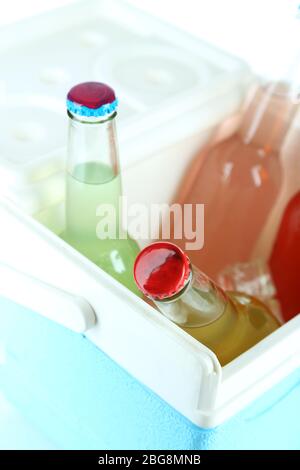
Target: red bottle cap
{"x":92,"y":99}
{"x":161,"y":270}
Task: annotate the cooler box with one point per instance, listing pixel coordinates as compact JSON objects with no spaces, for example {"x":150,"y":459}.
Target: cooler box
{"x":91,"y":364}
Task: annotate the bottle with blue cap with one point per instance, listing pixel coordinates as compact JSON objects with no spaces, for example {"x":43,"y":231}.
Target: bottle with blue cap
{"x":93,"y":183}
{"x":227,"y":323}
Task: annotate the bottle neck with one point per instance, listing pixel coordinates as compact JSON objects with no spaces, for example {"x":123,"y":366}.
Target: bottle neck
{"x":269,"y":116}
{"x":93,"y":150}
{"x":199,"y":303}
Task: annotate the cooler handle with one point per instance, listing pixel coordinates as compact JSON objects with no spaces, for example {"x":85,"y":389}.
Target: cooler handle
{"x":69,"y":310}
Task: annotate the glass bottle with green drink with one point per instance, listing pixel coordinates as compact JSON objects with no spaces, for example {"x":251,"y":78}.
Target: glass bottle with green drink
{"x":93,"y":183}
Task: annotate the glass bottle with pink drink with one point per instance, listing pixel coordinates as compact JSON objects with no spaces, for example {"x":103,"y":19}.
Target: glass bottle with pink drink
{"x":239,"y":179}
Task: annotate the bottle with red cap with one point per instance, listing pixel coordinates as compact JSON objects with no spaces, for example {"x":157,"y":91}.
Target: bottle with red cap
{"x":93,"y":184}
{"x":239,"y":179}
{"x":228,"y":323}
{"x":285,"y":260}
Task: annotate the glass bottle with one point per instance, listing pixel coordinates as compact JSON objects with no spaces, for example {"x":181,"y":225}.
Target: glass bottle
{"x":228,"y":323}
{"x":285,"y":260}
{"x":93,"y":183}
{"x":253,"y":278}
{"x":239,"y":179}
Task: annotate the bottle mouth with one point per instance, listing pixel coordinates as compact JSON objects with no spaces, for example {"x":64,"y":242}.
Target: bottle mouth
{"x":91,"y":119}
{"x":162,"y":270}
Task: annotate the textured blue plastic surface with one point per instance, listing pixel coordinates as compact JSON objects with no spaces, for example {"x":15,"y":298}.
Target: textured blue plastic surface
{"x":82,"y":399}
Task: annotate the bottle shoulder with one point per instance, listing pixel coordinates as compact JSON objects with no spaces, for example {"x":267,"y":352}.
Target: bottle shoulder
{"x":293,"y":208}
{"x":234,"y":149}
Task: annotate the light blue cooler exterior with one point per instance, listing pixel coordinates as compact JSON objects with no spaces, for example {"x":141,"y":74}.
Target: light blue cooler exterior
{"x":82,"y":399}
